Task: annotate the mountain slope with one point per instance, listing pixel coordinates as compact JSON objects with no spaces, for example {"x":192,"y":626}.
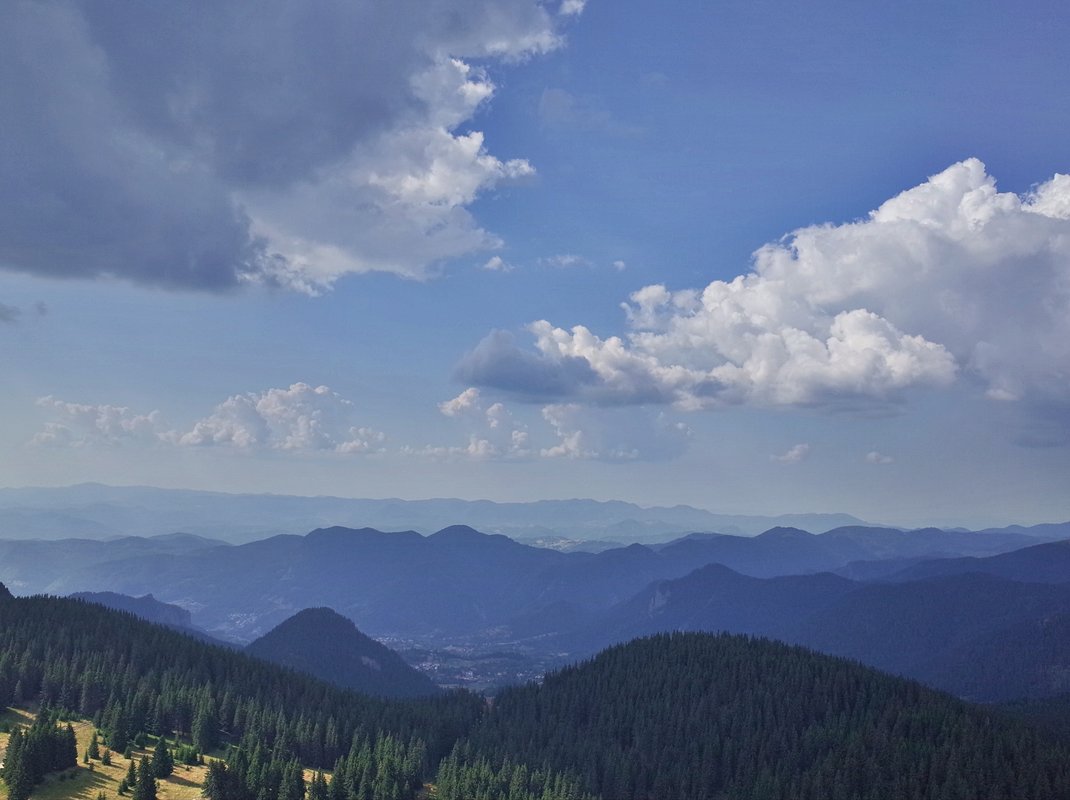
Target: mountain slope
{"x":67,"y":565}
{"x":329,"y":646}
{"x":792,"y":551}
{"x":452,"y":584}
{"x":700,"y":716}
{"x":968,"y":634}
{"x":1041,"y":563}
{"x":977,"y":636}
{"x":146,"y":607}
{"x":714,"y":598}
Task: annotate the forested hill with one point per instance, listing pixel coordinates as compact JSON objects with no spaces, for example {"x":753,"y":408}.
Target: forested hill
{"x":672,"y":716}
{"x":143,"y":677}
{"x":323,"y":643}
{"x":704,"y":717}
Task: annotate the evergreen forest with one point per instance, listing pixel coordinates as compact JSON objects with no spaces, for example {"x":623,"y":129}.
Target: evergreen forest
{"x":709,"y":717}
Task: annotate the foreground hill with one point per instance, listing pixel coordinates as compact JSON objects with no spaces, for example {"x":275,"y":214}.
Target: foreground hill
{"x":699,"y":716}
{"x":329,"y":646}
{"x":143,"y":677}
{"x":692,"y":715}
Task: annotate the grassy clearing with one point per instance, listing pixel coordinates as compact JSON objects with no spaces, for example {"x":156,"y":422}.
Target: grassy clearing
{"x":86,"y":781}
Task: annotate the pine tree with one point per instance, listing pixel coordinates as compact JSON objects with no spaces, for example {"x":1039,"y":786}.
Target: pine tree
{"x":17,"y":772}
{"x":162,"y":762}
{"x":215,"y":782}
{"x":94,"y":747}
{"x":318,"y":789}
{"x":20,"y":784}
{"x":293,"y":783}
{"x":205,"y":728}
{"x":145,"y":787}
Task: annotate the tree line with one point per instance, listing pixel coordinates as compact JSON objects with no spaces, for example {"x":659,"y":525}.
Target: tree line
{"x":135,"y":679}
{"x":676,"y":715}
{"x":45,"y":746}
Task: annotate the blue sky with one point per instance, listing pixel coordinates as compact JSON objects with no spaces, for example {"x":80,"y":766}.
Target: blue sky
{"x":820,"y":254}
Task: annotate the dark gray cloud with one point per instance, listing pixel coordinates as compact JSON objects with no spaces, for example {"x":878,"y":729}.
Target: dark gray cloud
{"x":84,"y":192}
{"x":142,"y":140}
{"x":9,"y":313}
{"x":1043,"y":420}
{"x":497,"y":363}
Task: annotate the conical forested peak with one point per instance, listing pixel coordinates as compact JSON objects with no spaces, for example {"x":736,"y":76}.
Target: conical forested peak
{"x":318,"y":616}
{"x":322,"y":642}
{"x":781,"y":532}
{"x":462,"y":538}
{"x":5,"y":593}
{"x":459,"y":533}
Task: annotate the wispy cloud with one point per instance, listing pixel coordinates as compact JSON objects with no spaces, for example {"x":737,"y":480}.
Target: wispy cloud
{"x":497,"y":264}
{"x":874,"y":457}
{"x":571,"y":7}
{"x":793,"y":455}
{"x":563,"y":111}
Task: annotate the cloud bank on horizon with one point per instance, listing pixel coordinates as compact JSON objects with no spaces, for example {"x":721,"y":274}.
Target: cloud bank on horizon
{"x":947,"y":282}
{"x":287,"y":144}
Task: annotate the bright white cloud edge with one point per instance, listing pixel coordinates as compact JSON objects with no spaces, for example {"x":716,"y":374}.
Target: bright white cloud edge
{"x":948,"y":279}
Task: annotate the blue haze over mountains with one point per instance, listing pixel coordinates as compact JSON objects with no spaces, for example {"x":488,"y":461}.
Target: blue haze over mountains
{"x":95,"y":511}
{"x":985,"y":615}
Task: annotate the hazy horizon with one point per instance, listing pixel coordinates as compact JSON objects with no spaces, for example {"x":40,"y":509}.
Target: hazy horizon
{"x":960,"y":522}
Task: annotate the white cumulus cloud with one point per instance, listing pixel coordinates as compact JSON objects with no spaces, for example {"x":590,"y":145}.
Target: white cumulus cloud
{"x":493,"y":431}
{"x":466,"y":401}
{"x":82,"y":424}
{"x":298,"y":418}
{"x":497,"y":264}
{"x":947,"y":281}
